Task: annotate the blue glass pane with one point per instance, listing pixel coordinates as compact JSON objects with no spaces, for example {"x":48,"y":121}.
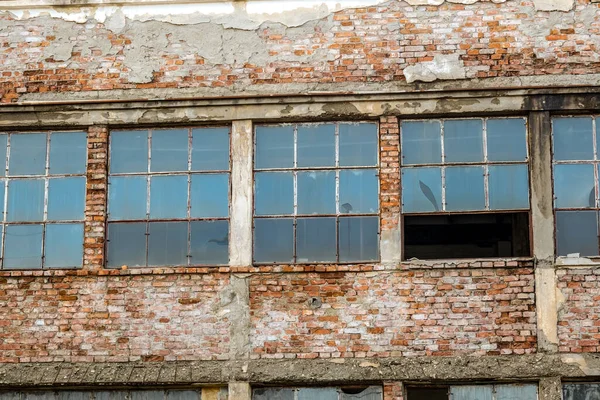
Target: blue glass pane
{"x":572,"y":138}
{"x":359,"y":239}
{"x":577,"y":232}
{"x":126,"y":244}
{"x":3,"y":143}
{"x":273,"y":240}
{"x":327,"y":393}
{"x":2,"y":192}
{"x":421,"y":142}
{"x":463,"y":140}
{"x":274,"y":193}
{"x":574,"y":185}
{"x":23,"y":247}
{"x":465,"y":188}
{"x":186,"y":395}
{"x":66,"y":198}
{"x":316,"y":192}
{"x":128,"y":151}
{"x":316,"y":145}
{"x":25,"y":200}
{"x":209,"y":242}
{"x":167,"y":243}
{"x":210,"y":195}
{"x":274,"y":147}
{"x":210,"y":149}
{"x":506,"y":139}
{"x":169,"y":150}
{"x":421,"y":190}
{"x":63,"y":245}
{"x":509,"y":187}
{"x":359,"y":191}
{"x":68,"y":153}
{"x":359,"y":144}
{"x":168,"y":196}
{"x":127,"y":197}
{"x":27,"y":154}
{"x":315,"y":240}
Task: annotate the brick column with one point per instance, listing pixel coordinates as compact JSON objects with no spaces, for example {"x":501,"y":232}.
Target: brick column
{"x":390,"y":244}
{"x":95,"y":198}
{"x":393,"y":391}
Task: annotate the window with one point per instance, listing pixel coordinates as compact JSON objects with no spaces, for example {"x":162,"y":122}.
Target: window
{"x":581,"y":391}
{"x":316,"y":190}
{"x":465,"y":188}
{"x":177,"y":394}
{"x":323,"y":393}
{"x":576,"y":194}
{"x":474,"y":392}
{"x":168,"y":202}
{"x":42,"y":188}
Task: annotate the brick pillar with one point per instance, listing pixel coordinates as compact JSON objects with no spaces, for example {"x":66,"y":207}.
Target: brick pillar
{"x":390,"y":244}
{"x":393,"y":391}
{"x":95,"y":198}
{"x":240,"y":391}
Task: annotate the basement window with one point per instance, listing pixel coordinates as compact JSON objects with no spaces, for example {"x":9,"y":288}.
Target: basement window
{"x":465,"y":188}
{"x":474,"y":392}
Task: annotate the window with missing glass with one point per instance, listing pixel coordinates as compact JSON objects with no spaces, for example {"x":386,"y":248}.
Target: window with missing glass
{"x":42,"y":189}
{"x":465,"y":187}
{"x":319,"y":393}
{"x":316,"y":193}
{"x":168,"y":197}
{"x":575,"y":147}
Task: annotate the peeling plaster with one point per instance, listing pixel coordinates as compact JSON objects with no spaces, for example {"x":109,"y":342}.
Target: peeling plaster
{"x":580,"y":361}
{"x":442,"y":67}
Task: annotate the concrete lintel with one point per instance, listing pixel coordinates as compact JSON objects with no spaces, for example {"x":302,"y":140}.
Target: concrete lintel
{"x":240,"y":391}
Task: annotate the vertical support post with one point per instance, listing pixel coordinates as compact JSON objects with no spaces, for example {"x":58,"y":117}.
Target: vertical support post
{"x":240,"y":229}
{"x":550,"y":388}
{"x":542,"y":220}
{"x":240,"y":391}
{"x":95,"y":198}
{"x":393,"y":391}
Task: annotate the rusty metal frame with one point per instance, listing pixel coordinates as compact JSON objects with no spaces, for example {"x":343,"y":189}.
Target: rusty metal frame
{"x":46,"y":177}
{"x":189,"y":172}
{"x":336,"y":168}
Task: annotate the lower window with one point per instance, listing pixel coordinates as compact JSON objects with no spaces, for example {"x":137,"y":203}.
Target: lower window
{"x":474,"y":392}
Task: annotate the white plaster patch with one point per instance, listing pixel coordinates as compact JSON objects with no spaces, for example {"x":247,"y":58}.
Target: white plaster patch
{"x":553,"y":5}
{"x":442,"y":67}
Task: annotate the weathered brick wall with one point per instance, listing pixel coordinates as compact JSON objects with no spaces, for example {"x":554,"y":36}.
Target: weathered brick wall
{"x":127,"y":316}
{"x":579,"y":310}
{"x":405,"y":313}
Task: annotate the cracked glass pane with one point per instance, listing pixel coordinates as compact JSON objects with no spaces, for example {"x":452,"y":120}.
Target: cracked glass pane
{"x":421,"y":189}
{"x":273,"y":394}
{"x":370,"y":393}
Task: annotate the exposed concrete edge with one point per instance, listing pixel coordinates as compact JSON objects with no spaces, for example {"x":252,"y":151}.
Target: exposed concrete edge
{"x":301,"y":371}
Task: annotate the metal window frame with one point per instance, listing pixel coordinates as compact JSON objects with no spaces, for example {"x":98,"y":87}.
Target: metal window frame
{"x":294,"y":169}
{"x":46,"y":177}
{"x":148,"y":174}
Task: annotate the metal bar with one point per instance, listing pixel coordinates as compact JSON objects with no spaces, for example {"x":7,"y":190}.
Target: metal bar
{"x":449,"y":213}
{"x":189,"y":199}
{"x":223,"y":171}
{"x":316,"y":215}
{"x":486,"y":170}
{"x":165,"y":220}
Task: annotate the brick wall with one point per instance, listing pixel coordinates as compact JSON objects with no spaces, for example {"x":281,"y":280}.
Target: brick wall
{"x":408,"y":313}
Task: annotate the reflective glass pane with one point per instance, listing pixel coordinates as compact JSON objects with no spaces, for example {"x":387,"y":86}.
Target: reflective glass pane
{"x":316,"y":145}
{"x":66,"y":198}
{"x":3,"y":143}
{"x":325,"y":393}
{"x":359,"y":191}
{"x":506,"y":139}
{"x":126,"y":244}
{"x":27,"y":154}
{"x":169,"y":150}
{"x":168,"y":196}
{"x":316,"y":192}
{"x":421,"y":142}
{"x":210,"y":195}
{"x":23,"y":247}
{"x":2,"y":193}
{"x":167,"y":243}
{"x":421,"y":189}
{"x":74,"y":395}
{"x":25,"y":200}
{"x":273,"y":240}
{"x":40,"y":396}
{"x":210,"y":149}
{"x":465,"y":188}
{"x":128,"y":151}
{"x":581,"y":391}
{"x":468,"y":392}
{"x":463,"y":140}
{"x":274,"y":147}
{"x":127,"y":197}
{"x":509,"y":187}
{"x":574,"y":185}
{"x":315,"y":239}
{"x":110,"y":395}
{"x":572,"y":138}
{"x":63,"y":245}
{"x":577,"y":232}
{"x":184,"y":395}
{"x":210,"y":242}
{"x":517,"y":391}
{"x":358,"y":144}
{"x":273,"y":394}
{"x":359,"y":238}
{"x":274,"y":193}
{"x":370,"y":393}
{"x":147,"y":395}
{"x":68,"y":153}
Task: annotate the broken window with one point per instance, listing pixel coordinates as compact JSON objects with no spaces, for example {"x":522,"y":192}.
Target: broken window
{"x":466,"y":177}
{"x":581,"y":391}
{"x":576,"y":194}
{"x":316,"y":193}
{"x":168,"y":197}
{"x":474,"y":392}
{"x":323,"y":393}
{"x":42,"y":189}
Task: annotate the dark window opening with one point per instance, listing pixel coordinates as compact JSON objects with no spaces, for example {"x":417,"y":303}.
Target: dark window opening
{"x":427,"y":393}
{"x":487,"y":235}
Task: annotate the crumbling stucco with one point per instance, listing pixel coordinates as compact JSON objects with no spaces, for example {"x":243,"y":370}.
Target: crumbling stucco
{"x":442,"y":67}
